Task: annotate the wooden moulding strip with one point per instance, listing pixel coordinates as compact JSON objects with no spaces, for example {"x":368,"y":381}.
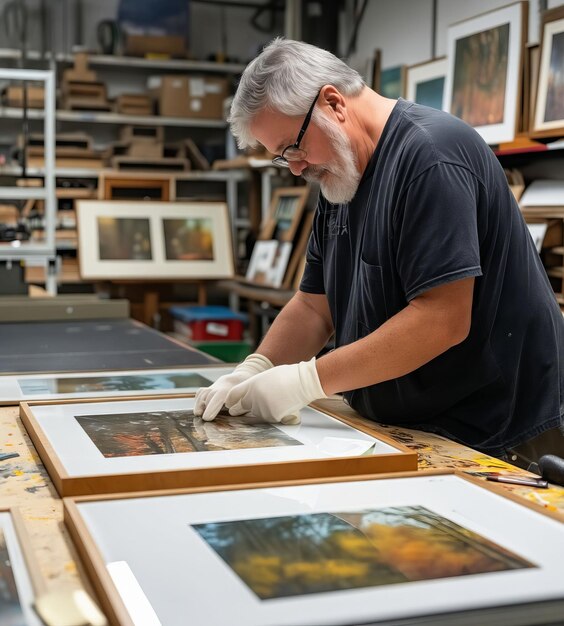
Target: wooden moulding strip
{"x":307,"y":469}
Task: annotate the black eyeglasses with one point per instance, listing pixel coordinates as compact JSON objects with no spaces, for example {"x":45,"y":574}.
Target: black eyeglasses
{"x":294,"y":152}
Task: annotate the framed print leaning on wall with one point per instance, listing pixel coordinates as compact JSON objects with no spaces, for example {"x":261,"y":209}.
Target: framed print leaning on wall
{"x":434,"y":546}
{"x":78,"y":385}
{"x":20,"y":581}
{"x":156,"y":443}
{"x":161,"y":240}
{"x":549,"y":110}
{"x":483,"y":82}
{"x":286,"y":210}
{"x":426,"y":83}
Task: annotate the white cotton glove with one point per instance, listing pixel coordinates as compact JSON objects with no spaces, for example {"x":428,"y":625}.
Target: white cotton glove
{"x":210,"y":400}
{"x":277,"y":394}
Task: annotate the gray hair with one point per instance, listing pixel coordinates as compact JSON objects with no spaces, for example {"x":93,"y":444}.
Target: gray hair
{"x":286,"y":77}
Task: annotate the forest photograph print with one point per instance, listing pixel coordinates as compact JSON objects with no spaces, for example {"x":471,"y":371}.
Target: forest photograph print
{"x":188,"y":239}
{"x":124,"y":239}
{"x":322,"y":552}
{"x":480,"y":76}
{"x":169,"y":432}
{"x":554,"y":109}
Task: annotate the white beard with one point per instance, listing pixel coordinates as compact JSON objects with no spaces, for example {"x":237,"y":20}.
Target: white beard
{"x":340,"y":178}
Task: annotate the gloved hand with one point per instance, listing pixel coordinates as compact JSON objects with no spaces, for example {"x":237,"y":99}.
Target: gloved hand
{"x":210,"y":400}
{"x":277,"y":394}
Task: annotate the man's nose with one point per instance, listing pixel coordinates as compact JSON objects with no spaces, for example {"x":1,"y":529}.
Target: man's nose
{"x":297,"y":167}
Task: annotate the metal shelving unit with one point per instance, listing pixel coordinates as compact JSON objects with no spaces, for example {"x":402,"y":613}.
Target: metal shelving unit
{"x":44,"y":252}
{"x":62,"y":115}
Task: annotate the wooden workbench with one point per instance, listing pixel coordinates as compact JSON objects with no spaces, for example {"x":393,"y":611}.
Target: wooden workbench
{"x":25,"y":484}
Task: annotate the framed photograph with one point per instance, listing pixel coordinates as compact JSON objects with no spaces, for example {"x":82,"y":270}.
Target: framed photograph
{"x":156,"y":443}
{"x":160,"y":240}
{"x":439,"y":547}
{"x":392,"y":82}
{"x":286,"y":210}
{"x":20,"y":581}
{"x":78,"y":385}
{"x":426,"y":83}
{"x":549,"y":109}
{"x":268,"y":263}
{"x":483,"y":81}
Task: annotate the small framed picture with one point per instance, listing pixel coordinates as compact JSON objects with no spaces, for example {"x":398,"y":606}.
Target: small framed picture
{"x":426,"y":83}
{"x":392,"y":82}
{"x":79,"y":385}
{"x":160,"y":240}
{"x":20,"y":580}
{"x":549,"y":109}
{"x":421,"y":547}
{"x":268,"y":263}
{"x":108,"y":446}
{"x":286,"y":210}
{"x":485,"y":61}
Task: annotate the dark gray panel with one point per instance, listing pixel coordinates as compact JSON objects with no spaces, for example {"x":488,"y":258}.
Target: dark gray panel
{"x":90,"y":345}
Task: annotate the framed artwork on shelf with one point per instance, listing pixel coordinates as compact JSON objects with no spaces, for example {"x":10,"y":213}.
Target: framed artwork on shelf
{"x":268,"y":263}
{"x":286,"y":210}
{"x":429,"y":545}
{"x":96,"y":446}
{"x":392,"y":82}
{"x":20,"y":581}
{"x":160,"y":240}
{"x":79,"y":385}
{"x":485,"y":65}
{"x":426,"y":83}
{"x":549,"y":107}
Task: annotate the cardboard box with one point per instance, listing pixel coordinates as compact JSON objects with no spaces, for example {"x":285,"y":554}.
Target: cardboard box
{"x":141,"y":45}
{"x":206,"y":96}
{"x":190,"y":96}
{"x":148,"y":134}
{"x":13,"y":96}
{"x":134,"y":104}
{"x":146,"y":149}
{"x":80,"y":71}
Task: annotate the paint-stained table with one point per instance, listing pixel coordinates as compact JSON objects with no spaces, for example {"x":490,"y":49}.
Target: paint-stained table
{"x":26,"y":484}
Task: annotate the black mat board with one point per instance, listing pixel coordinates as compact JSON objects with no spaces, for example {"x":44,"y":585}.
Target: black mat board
{"x":90,"y":345}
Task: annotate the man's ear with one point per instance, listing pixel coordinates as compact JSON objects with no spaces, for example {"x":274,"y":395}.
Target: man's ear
{"x":332,"y":98}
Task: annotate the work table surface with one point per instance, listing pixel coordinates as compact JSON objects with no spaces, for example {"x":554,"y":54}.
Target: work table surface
{"x":26,"y":484}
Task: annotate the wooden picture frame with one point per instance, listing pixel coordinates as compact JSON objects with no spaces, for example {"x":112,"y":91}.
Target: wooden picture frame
{"x":160,"y":240}
{"x":136,"y":188}
{"x":426,"y":82}
{"x":392,"y":82}
{"x":81,"y":461}
{"x":517,"y":580}
{"x":548,"y":118}
{"x":107,"y":384}
{"x":485,"y":71}
{"x":286,"y":209}
{"x":21,"y":580}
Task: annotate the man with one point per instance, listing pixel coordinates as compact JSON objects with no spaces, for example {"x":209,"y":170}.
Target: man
{"x":419,"y":263}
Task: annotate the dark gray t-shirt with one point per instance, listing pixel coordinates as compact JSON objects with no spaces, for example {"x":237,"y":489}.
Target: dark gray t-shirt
{"x":433,"y":206}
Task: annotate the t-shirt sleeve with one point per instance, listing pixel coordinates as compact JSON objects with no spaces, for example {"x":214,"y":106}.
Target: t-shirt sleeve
{"x":436,"y":229}
{"x":312,"y":280}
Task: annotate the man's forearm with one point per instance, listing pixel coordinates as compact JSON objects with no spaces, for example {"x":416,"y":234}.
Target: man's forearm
{"x":298,"y":333}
